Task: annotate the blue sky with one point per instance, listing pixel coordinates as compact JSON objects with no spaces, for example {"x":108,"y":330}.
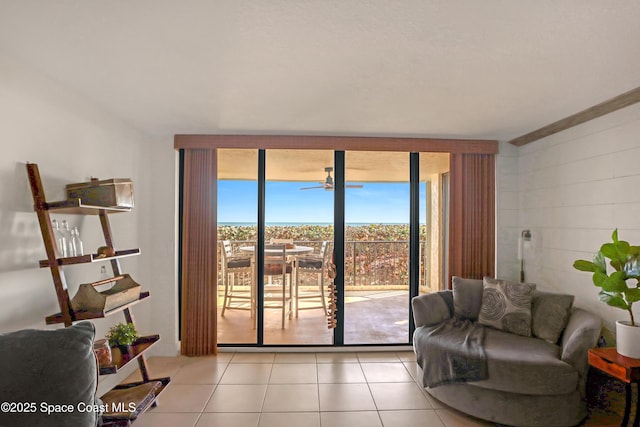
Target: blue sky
{"x":285,"y":202}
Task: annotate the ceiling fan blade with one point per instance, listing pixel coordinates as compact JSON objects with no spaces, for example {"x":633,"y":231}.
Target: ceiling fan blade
{"x":330,"y":187}
{"x":328,"y":182}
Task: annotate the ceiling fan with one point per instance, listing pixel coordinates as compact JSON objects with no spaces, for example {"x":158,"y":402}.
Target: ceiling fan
{"x":328,"y":182}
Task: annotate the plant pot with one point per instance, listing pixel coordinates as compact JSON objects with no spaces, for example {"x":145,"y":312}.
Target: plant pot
{"x":627,"y":339}
{"x":125,"y":349}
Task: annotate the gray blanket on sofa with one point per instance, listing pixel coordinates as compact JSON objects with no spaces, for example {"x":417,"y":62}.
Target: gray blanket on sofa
{"x":451,"y":352}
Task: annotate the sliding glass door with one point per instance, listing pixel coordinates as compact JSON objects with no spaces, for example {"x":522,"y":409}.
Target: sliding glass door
{"x":237,"y":232}
{"x":299,"y":214}
{"x":376,"y":279}
{"x":392,"y":212}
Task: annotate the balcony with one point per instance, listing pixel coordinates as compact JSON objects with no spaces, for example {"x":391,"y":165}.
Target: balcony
{"x":376,"y":299}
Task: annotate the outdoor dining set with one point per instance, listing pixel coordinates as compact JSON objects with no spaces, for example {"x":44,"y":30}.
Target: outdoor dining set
{"x":284,"y":264}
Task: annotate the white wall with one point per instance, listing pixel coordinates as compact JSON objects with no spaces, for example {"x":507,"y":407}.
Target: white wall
{"x":161,"y":224}
{"x":72,"y":140}
{"x":574,"y":188}
{"x":507,"y":224}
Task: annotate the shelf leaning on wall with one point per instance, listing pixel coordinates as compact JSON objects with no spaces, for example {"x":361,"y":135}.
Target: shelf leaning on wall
{"x":89,"y":303}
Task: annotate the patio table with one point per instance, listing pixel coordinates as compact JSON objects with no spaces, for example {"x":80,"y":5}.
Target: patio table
{"x":294,"y":252}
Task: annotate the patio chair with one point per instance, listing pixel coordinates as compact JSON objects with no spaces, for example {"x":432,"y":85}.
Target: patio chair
{"x":287,"y":242}
{"x":233,"y":264}
{"x":281,"y":242}
{"x":278,"y":295}
{"x":314,"y":264}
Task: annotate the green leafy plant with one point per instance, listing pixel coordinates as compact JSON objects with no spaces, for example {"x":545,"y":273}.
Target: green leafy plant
{"x":624,"y":259}
{"x":122,"y":334}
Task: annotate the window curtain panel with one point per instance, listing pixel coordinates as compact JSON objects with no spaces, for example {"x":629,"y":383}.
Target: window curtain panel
{"x":199,"y":263}
{"x":472,"y":216}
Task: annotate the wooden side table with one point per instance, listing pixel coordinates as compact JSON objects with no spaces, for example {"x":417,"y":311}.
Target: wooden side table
{"x":623,"y":368}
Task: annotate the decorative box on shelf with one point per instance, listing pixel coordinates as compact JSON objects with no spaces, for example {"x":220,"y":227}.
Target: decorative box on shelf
{"x":89,"y":298}
{"x":109,"y":193}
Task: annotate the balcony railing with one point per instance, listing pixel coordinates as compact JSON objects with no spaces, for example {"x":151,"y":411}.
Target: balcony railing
{"x":368,"y":264}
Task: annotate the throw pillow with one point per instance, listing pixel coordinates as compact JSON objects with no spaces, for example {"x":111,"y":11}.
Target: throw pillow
{"x":507,"y":306}
{"x":550,"y":314}
{"x":467,"y":298}
{"x":51,"y":367}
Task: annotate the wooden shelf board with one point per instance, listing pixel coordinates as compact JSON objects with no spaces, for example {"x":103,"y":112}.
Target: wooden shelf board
{"x":88,"y":315}
{"x":89,"y":258}
{"x":139,"y":347}
{"x":117,"y":421}
{"x":76,"y":207}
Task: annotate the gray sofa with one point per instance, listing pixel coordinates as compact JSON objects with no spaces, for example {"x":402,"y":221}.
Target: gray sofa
{"x":530,"y":381}
{"x":48,"y":378}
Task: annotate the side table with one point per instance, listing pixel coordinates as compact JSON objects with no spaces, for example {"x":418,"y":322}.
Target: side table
{"x":620,"y":367}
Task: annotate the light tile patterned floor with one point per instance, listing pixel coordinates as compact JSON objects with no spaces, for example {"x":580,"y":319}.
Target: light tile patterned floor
{"x":374,"y":389}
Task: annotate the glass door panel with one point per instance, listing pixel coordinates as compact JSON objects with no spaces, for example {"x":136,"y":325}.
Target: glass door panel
{"x":299,"y":214}
{"x":376,"y":279}
{"x":434,"y":169}
{"x":237,"y":231}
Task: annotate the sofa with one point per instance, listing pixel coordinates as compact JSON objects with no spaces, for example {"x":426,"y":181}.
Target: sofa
{"x":49,"y":378}
{"x":533,"y":365}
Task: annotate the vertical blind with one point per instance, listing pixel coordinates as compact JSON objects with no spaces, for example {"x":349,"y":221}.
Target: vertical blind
{"x":472,"y":216}
{"x":199,"y":263}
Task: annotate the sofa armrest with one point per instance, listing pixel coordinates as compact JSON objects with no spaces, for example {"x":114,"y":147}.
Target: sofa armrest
{"x":431,"y":309}
{"x":579,"y":336}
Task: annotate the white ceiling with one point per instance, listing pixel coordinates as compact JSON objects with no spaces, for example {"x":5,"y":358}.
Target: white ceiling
{"x":442,"y":68}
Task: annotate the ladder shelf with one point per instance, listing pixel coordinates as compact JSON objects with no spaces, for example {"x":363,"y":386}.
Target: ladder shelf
{"x":145,"y":391}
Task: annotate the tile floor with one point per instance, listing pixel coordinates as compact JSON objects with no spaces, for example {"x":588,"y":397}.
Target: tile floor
{"x":295,"y":389}
{"x":370,"y":389}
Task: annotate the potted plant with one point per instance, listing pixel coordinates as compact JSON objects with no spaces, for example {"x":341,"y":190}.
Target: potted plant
{"x":122,"y":335}
{"x":624,"y":259}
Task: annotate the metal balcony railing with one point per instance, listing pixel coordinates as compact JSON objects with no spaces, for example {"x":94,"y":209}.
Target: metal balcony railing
{"x":368,"y":264}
